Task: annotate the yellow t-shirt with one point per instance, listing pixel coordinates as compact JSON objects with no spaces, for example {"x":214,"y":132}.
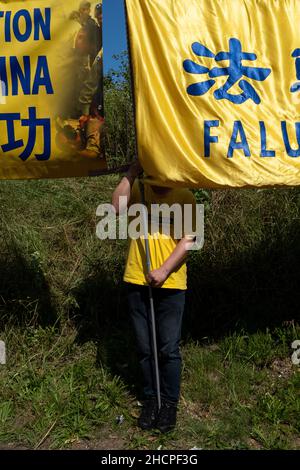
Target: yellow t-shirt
{"x":160,"y":245}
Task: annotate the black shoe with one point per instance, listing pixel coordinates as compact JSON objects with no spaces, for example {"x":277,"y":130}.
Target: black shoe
{"x":148,"y":414}
{"x":166,"y":420}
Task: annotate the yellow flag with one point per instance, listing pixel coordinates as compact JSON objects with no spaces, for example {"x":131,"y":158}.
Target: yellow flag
{"x":217,"y":91}
{"x":51,"y":110}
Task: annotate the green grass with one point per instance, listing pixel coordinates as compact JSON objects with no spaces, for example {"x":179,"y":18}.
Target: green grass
{"x":51,"y":381}
{"x":55,"y":395}
{"x":239,"y":401}
{"x":71,"y":365}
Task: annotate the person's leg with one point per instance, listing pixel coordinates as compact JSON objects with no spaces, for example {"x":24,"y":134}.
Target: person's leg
{"x":138,"y":302}
{"x":169,"y":313}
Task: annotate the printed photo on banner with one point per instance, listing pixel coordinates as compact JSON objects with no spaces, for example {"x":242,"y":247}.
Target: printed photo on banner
{"x":51,"y":72}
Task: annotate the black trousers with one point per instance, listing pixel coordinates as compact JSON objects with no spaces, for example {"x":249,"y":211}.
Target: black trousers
{"x":169,"y":308}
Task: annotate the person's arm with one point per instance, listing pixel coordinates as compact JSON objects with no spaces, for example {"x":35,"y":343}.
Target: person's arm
{"x":124,"y":187}
{"x":158,"y":276}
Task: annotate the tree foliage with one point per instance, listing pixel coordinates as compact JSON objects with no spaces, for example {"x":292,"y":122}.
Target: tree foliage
{"x":120,"y":131}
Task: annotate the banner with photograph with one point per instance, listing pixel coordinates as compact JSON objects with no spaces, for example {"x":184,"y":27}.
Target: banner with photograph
{"x":51,"y":89}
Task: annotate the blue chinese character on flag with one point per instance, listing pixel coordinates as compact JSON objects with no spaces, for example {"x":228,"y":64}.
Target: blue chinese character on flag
{"x":296,"y":86}
{"x":235,"y":72}
{"x":32,"y":122}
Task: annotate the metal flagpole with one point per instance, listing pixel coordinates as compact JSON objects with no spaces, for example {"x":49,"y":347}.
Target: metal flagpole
{"x":153,"y":323}
{"x":145,"y":222}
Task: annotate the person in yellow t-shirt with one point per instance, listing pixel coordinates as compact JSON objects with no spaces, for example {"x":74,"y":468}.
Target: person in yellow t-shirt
{"x":168,"y":277}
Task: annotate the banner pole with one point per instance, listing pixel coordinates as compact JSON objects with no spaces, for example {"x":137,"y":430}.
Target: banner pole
{"x":152,"y":311}
{"x":145,"y":222}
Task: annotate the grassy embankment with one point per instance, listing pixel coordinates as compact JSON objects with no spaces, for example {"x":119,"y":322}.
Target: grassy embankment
{"x":71,"y":366}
